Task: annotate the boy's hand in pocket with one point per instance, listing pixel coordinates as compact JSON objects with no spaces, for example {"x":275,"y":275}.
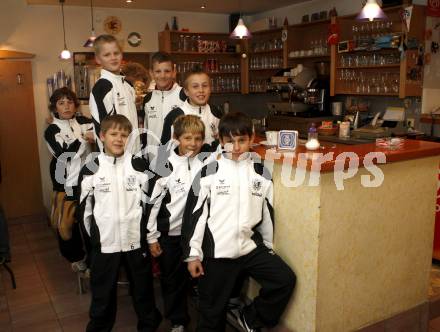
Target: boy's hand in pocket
{"x":195,"y":268}
{"x":155,"y":249}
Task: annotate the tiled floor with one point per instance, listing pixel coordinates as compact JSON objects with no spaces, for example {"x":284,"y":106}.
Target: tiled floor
{"x":46,"y":298}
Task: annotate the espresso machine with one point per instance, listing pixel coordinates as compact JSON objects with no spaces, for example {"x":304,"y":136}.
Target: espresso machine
{"x":303,"y":95}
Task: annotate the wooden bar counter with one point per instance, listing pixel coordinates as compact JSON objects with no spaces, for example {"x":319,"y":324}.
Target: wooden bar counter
{"x":358,"y":238}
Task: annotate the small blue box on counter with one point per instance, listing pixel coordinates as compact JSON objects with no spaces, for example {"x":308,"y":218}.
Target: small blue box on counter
{"x":287,"y":139}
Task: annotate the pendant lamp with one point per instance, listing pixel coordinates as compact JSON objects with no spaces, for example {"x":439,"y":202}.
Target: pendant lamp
{"x":91,"y":40}
{"x":65,"y":53}
{"x":371,"y":11}
{"x":240,"y":31}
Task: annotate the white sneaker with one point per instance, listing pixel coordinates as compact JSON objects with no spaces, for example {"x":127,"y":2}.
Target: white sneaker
{"x":79,"y":266}
{"x":177,"y":328}
{"x":242,"y":322}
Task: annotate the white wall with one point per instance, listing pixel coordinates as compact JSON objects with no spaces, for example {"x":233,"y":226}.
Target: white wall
{"x":37,"y":30}
{"x":294,"y":13}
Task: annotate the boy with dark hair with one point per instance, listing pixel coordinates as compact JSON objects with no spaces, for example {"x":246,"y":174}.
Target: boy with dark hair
{"x":228,"y":225}
{"x":197,"y":87}
{"x":67,"y":137}
{"x":112,"y":94}
{"x":165,"y":221}
{"x":166,"y":96}
{"x":113,"y":211}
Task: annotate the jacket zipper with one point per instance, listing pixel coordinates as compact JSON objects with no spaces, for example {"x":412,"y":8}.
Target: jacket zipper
{"x":118,"y":215}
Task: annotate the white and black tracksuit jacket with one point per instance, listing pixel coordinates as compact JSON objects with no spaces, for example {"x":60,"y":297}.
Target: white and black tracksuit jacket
{"x":229,"y":210}
{"x":113,"y":195}
{"x":169,"y":196}
{"x":112,"y":94}
{"x":157,"y":105}
{"x":65,"y":141}
{"x":209,"y":118}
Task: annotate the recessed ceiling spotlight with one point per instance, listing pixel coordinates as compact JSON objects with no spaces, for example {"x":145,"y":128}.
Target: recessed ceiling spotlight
{"x":128,"y":1}
{"x":202,"y":6}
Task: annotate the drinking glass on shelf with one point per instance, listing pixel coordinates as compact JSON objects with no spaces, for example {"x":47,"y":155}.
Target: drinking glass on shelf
{"x":342,"y":61}
{"x":181,"y":43}
{"x":384,"y":82}
{"x":395,"y":80}
{"x":349,"y":61}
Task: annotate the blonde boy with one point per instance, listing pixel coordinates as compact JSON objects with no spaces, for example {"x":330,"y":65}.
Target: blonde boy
{"x":165,"y":221}
{"x":112,"y":94}
{"x":197,"y":87}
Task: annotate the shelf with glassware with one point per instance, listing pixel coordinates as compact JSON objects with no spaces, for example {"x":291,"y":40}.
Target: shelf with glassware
{"x":307,"y":43}
{"x":215,"y":53}
{"x":369,"y":60}
{"x":266,"y":56}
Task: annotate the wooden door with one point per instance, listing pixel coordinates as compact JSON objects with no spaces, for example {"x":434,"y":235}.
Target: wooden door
{"x":20,"y":188}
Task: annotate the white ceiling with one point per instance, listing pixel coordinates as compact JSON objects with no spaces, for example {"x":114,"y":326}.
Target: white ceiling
{"x":212,"y":6}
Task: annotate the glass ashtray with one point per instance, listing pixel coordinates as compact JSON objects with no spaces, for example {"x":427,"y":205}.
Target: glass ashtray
{"x":390,"y":142}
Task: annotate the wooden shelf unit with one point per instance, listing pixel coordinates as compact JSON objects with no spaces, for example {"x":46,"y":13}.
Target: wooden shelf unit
{"x":407,"y":87}
{"x":228,"y":53}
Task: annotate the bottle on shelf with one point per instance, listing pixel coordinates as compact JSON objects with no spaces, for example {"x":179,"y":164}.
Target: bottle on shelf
{"x":174,"y":25}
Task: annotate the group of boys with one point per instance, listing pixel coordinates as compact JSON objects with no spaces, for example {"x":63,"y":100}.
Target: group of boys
{"x":207,"y":213}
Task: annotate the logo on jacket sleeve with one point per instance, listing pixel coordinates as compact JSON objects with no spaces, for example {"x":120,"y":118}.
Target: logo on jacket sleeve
{"x":256,"y":187}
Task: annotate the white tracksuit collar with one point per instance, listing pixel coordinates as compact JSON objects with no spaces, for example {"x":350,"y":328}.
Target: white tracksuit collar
{"x":199,"y":110}
{"x":113,"y":160}
{"x":243,"y":159}
{"x":110,"y":76}
{"x":168,"y":92}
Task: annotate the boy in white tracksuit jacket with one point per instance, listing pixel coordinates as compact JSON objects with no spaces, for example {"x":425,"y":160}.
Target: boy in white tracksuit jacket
{"x":228,"y":225}
{"x":197,"y":87}
{"x":113,"y":196}
{"x":68,"y":138}
{"x":166,"y":96}
{"x":112,"y":94}
{"x":165,"y":221}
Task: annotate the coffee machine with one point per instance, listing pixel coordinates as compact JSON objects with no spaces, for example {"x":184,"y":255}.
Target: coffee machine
{"x":304,"y":95}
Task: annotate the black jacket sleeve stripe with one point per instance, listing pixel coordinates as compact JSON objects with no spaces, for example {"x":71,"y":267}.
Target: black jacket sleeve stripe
{"x":216,"y":111}
{"x":168,"y":124}
{"x":271,"y":211}
{"x":99,"y":91}
{"x":147,"y":98}
{"x":182,"y":95}
{"x":56,"y":148}
{"x":190,"y":217}
{"x":261,"y":170}
{"x":83,"y":120}
{"x":140,"y":164}
{"x":86,"y":201}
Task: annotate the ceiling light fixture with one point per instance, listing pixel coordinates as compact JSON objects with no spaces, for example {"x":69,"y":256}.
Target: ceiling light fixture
{"x":371,"y":11}
{"x":65,"y":53}
{"x":89,"y":42}
{"x":202,"y":6}
{"x":241,"y":31}
{"x":128,"y":1}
